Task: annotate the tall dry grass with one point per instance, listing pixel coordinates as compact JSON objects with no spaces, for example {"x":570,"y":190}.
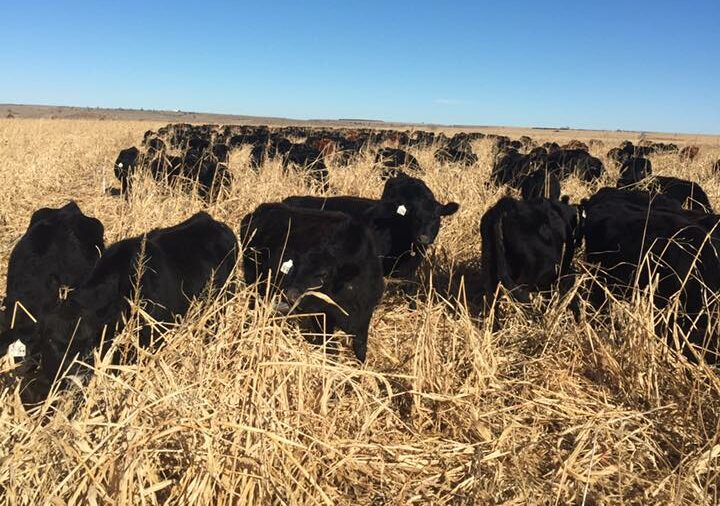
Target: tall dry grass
{"x":238,"y":409}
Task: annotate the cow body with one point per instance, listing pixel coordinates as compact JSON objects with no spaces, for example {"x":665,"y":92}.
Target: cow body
{"x":635,"y":236}
{"x":540,"y":184}
{"x":174,"y":265}
{"x":635,"y":173}
{"x":528,"y":246}
{"x":310,"y":250}
{"x":394,"y":160}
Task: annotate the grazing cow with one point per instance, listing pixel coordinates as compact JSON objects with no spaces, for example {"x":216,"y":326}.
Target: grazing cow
{"x":154,"y":145}
{"x":513,"y":167}
{"x":210,"y":174}
{"x":575,"y":161}
{"x":57,"y":252}
{"x":175,"y":265}
{"x":528,"y":246}
{"x":305,"y":251}
{"x":403,"y":223}
{"x":221,"y":152}
{"x":576,"y":144}
{"x":394,"y":160}
{"x":309,"y":160}
{"x":460,"y":155}
{"x":635,"y":173}
{"x":306,"y":158}
{"x":618,"y":156}
{"x":634,"y":170}
{"x":688,"y":153}
{"x":687,"y":193}
{"x":635,"y":237}
{"x":540,"y":184}
{"x":551,"y":147}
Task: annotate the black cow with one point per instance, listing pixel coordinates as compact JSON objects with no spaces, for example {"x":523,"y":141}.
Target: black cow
{"x":211,"y":174}
{"x":456,"y":154}
{"x":635,"y":173}
{"x":307,"y":158}
{"x":633,"y":170}
{"x":512,"y":166}
{"x":394,"y":160}
{"x":528,"y":246}
{"x":635,"y":237}
{"x":688,"y":153}
{"x":58,"y":251}
{"x":403,"y":223}
{"x":306,"y":250}
{"x":540,"y":183}
{"x":127,"y":162}
{"x":175,"y":264}
{"x":618,"y":156}
{"x":565,"y":162}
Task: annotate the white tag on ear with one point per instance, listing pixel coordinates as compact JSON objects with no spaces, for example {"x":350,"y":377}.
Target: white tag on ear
{"x":120,"y":165}
{"x":286,"y":266}
{"x":17,"y":349}
{"x":401,"y":210}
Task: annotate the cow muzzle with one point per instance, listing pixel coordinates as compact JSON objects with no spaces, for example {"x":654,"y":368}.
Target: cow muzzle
{"x":424,"y":239}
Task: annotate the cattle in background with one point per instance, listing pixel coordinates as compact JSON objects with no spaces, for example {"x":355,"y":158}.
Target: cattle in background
{"x":403,"y":223}
{"x":57,"y":252}
{"x":636,"y":172}
{"x":176,"y":264}
{"x":688,"y":153}
{"x":576,"y":144}
{"x":305,"y":251}
{"x":512,"y":166}
{"x":306,"y":158}
{"x":635,"y":237}
{"x":540,"y":183}
{"x":551,"y":147}
{"x":528,"y":246}
{"x":450,"y":154}
{"x":565,"y":162}
{"x":394,"y":160}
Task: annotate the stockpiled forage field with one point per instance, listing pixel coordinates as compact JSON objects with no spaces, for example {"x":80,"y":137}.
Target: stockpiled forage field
{"x":237,"y":408}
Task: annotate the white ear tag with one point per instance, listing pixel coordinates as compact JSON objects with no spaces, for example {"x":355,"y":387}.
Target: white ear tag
{"x":120,"y":165}
{"x":17,"y":349}
{"x":286,"y":266}
{"x":401,"y":210}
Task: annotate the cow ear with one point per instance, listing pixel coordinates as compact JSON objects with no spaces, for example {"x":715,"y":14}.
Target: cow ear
{"x":449,"y":208}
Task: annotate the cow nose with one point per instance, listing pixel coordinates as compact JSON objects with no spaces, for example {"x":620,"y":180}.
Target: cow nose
{"x":292,"y":294}
{"x":424,"y":239}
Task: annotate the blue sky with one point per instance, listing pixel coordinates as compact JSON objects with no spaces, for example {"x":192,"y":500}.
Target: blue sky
{"x":643,"y":65}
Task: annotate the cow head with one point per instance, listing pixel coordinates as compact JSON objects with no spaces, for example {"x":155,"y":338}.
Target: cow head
{"x":317,"y":270}
{"x":410,"y":200}
{"x":634,"y":170}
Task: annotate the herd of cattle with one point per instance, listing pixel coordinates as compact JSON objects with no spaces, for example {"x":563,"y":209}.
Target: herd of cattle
{"x":67,"y":294}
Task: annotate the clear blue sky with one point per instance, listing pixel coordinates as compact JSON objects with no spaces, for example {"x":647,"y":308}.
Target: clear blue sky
{"x":641,"y":65}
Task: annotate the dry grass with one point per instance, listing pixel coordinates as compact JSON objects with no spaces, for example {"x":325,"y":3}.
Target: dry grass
{"x":237,"y":408}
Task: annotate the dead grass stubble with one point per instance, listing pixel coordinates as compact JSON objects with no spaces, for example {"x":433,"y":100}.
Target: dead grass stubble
{"x":237,"y":408}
